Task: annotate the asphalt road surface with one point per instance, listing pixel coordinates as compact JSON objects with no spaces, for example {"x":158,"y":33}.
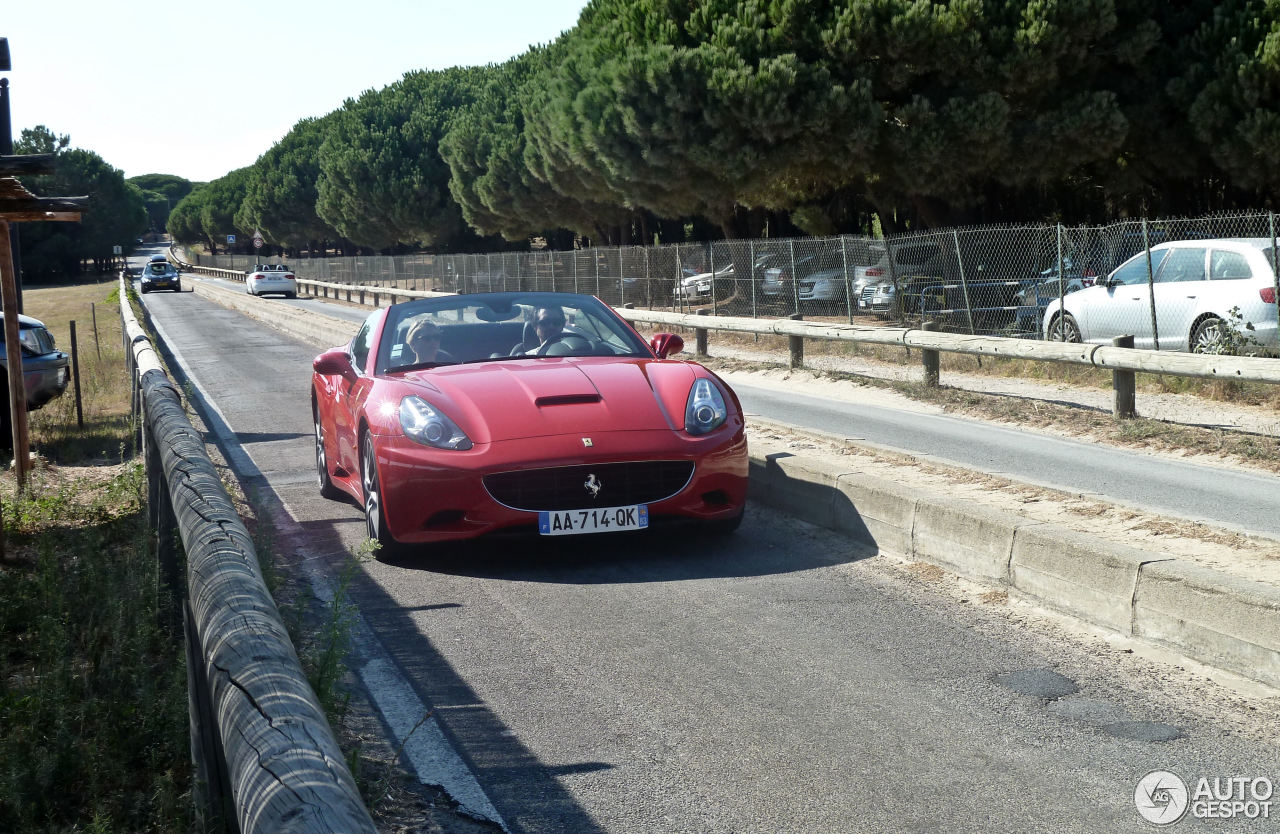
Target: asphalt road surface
{"x":772,"y":681}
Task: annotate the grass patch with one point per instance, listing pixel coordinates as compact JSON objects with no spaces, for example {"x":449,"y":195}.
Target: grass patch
{"x":104,"y":389}
{"x":93,"y":704}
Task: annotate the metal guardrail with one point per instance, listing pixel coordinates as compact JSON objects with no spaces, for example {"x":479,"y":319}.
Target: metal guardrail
{"x":265,"y":757}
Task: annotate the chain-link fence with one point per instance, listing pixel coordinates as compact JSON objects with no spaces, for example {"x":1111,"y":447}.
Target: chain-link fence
{"x":1204,"y":283}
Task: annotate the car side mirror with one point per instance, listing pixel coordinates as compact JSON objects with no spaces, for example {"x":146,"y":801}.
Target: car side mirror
{"x":334,"y":363}
{"x":666,"y":344}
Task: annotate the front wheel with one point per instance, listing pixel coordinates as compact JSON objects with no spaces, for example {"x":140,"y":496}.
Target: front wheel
{"x":1207,"y":337}
{"x":375,"y":519}
{"x":328,"y":489}
{"x":1064,"y":329}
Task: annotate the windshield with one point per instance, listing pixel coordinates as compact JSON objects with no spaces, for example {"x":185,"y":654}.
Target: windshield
{"x":465,"y":329}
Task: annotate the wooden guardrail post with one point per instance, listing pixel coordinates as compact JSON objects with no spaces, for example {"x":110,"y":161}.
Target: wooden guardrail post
{"x":930,"y":358}
{"x":700,"y":336}
{"x":75,"y":375}
{"x":796,"y":345}
{"x":1125,"y":384}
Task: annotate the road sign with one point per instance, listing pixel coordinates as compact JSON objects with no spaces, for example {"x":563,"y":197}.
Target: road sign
{"x":257,"y":239}
{"x":117,"y":250}
{"x":231,"y":238}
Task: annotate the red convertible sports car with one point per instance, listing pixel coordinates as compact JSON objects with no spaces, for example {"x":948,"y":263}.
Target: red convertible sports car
{"x":459,"y":416}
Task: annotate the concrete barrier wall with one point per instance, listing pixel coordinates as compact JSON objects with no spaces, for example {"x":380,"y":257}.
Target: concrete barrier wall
{"x":322,"y":331}
{"x":1218,"y":619}
{"x":1222,"y":620}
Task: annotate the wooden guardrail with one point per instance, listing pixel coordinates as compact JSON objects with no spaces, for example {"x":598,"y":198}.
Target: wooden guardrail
{"x":266,"y":759}
{"x":1123,"y":362}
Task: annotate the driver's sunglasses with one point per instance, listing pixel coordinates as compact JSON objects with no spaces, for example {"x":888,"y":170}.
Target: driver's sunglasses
{"x":427,"y":337}
{"x":549,"y":323}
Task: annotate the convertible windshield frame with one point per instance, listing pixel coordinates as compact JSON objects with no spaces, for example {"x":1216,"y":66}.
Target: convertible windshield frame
{"x":482,"y":327}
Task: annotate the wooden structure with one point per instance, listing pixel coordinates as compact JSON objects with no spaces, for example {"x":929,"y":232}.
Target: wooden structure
{"x":17,"y":204}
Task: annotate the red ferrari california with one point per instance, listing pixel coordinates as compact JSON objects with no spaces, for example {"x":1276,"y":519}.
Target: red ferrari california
{"x":460,"y":416}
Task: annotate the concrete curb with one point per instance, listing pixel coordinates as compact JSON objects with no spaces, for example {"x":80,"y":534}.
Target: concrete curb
{"x":1220,"y":620}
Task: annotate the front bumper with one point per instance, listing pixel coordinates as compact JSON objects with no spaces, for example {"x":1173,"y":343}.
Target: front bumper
{"x":44,"y":377}
{"x":430,"y":495}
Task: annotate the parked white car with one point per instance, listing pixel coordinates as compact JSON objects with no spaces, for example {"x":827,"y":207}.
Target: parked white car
{"x":1196,"y":284}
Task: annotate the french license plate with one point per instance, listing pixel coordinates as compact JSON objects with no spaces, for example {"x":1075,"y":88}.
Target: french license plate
{"x":601,"y":520}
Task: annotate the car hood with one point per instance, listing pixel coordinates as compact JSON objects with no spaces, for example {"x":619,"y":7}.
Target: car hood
{"x":497,"y":401}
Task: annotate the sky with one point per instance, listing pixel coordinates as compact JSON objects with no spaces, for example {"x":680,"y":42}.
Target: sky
{"x":199,"y":89}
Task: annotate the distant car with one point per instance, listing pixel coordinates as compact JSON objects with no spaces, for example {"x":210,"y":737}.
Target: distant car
{"x":271,"y":278}
{"x":45,"y":369}
{"x":1197,"y":285}
{"x":916,"y":263}
{"x":967,"y":282}
{"x":779,"y":278}
{"x":590,"y":431}
{"x":160,"y":275}
{"x":700,"y":285}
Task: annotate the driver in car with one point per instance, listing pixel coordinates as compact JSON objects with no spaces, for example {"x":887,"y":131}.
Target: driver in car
{"x":549,"y":325}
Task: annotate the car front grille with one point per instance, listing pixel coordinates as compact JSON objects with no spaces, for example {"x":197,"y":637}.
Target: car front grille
{"x":570,"y":487}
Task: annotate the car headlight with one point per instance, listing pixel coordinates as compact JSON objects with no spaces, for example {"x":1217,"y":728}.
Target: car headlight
{"x":430,"y":427}
{"x":29,"y":339}
{"x":705,"y":411}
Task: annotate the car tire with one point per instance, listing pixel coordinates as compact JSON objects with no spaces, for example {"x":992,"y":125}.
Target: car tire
{"x":1064,"y":329}
{"x":328,"y":489}
{"x":291,"y":295}
{"x":1207,"y":336}
{"x":177,"y":288}
{"x":375,"y":520}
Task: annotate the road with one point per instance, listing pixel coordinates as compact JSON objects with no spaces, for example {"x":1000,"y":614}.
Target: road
{"x":773,"y":681}
{"x":1219,"y":495}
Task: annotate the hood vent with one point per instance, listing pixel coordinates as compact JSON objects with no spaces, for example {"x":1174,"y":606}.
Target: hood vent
{"x":567,"y":399}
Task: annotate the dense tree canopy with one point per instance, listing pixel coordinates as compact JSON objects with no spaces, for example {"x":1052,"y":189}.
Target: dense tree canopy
{"x":115,"y":215}
{"x":161,"y":192}
{"x":280,"y":195}
{"x":382,"y":180}
{"x":671,"y":113}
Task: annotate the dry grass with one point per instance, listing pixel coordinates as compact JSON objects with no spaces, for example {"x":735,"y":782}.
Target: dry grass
{"x":104,"y":394}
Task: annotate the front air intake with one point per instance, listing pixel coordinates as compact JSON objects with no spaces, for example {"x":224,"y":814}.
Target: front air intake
{"x":592,"y":485}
